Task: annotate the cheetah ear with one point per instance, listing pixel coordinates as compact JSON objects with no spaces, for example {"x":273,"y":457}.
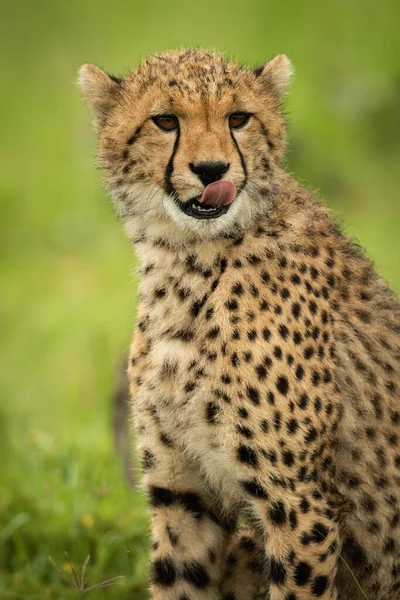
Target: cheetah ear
{"x":275,"y":75}
{"x":100,"y":91}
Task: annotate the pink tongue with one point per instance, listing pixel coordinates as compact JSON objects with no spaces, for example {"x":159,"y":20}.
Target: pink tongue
{"x":219,"y":193}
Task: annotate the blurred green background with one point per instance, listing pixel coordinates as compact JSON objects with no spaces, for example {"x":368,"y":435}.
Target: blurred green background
{"x":67,"y":285}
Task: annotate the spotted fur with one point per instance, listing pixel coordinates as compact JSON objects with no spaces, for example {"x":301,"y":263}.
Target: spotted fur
{"x":265,"y":365}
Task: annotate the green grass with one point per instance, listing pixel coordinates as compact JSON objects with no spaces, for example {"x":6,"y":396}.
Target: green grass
{"x":68,"y":293}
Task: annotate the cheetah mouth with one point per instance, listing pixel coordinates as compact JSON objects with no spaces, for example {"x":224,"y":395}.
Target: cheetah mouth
{"x":213,"y":202}
{"x":199,"y":210}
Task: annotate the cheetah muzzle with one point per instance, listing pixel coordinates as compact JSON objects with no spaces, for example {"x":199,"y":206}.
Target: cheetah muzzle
{"x":213,"y":202}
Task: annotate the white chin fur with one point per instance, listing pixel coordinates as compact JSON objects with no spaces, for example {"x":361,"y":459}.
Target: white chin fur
{"x":156,"y":214}
{"x":210,"y":228}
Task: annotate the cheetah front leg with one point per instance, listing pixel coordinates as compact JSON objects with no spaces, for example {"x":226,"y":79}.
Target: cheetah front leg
{"x":301,"y":543}
{"x":189,"y":538}
{"x":244,"y":570}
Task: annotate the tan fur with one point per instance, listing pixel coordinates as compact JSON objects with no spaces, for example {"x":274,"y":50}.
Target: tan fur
{"x":265,"y":364}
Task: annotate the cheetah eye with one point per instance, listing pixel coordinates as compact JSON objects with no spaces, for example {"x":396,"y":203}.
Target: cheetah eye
{"x":166,"y":122}
{"x":238,"y":120}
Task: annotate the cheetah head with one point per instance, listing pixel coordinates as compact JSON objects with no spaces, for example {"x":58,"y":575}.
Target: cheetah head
{"x":190,"y":144}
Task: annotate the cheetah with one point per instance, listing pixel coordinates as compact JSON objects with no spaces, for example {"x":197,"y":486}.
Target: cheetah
{"x":265,"y":366}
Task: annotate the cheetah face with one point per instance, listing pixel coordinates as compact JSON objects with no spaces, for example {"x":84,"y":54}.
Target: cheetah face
{"x":190,"y":144}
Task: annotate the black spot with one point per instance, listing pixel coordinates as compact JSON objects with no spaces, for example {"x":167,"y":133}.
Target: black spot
{"x":304,"y":505}
{"x":253,"y":259}
{"x":197,"y":306}
{"x":319,"y":532}
{"x":243,"y":412}
{"x":247,"y":356}
{"x":166,"y":440}
{"x":190,"y":386}
{"x":164,"y":572}
{"x":229,"y":596}
{"x":311,"y":435}
{"x":267,"y":361}
{"x":313,"y":307}
{"x":254,"y":290}
{"x":195,"y":574}
{"x":271,"y":455}
{"x":288,"y":458}
{"x":302,"y":573}
{"x":235,"y":359}
{"x":254,"y":489}
{"x":293,"y":519}
{"x":285,"y":294}
{"x":237,"y":289}
{"x":183,"y":334}
{"x":160,"y":292}
{"x":191,"y":502}
{"x":211,"y":555}
{"x":368,"y":503}
{"x":277,"y":513}
{"x":261,"y":372}
{"x":245,"y":431}
{"x":232,"y":304}
{"x":264,"y":426}
{"x":148,"y":461}
{"x":319,"y":585}
{"x":266,"y":334}
{"x":253,"y":394}
{"x":303,"y":401}
{"x":292,"y":426}
{"x":277,"y":420}
{"x":213,"y":333}
{"x":161,"y":497}
{"x":134,"y":137}
{"x":308,"y":352}
{"x":248,"y":455}
{"x":282,"y":385}
{"x":252,"y":334}
{"x":173,"y":537}
{"x":283,"y":330}
{"x":297,"y":337}
{"x":277,"y":571}
{"x":265,"y":277}
{"x":315,"y":333}
{"x":390,"y":546}
{"x":296,"y":310}
{"x":209,"y":313}
{"x":295,"y":279}
{"x":212,"y":410}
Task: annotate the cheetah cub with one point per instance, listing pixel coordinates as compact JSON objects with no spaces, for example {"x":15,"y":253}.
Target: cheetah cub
{"x":265,"y":365}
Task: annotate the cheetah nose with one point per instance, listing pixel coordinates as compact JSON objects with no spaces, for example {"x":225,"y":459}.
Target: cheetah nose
{"x":208,"y":172}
